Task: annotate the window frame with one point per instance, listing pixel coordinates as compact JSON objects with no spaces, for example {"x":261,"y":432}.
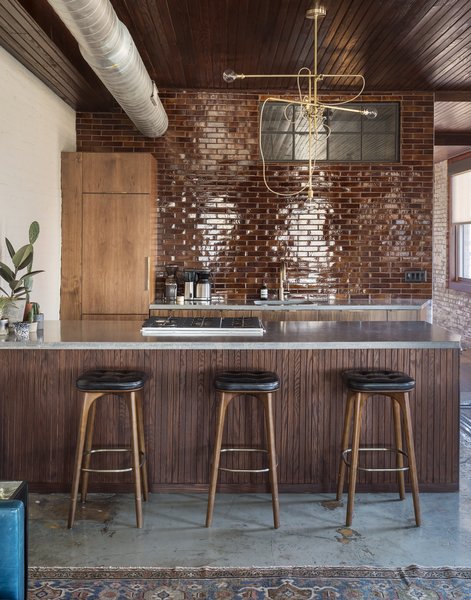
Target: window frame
{"x":457,"y":165}
{"x":293,"y":133}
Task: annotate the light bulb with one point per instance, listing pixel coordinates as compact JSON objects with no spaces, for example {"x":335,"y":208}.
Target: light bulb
{"x":370,"y":113}
{"x":229,"y":75}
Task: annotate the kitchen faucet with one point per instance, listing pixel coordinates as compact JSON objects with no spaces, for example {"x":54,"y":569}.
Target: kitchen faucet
{"x":282,"y":276}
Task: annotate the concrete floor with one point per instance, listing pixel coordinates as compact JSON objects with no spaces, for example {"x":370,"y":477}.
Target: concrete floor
{"x":311,"y":532}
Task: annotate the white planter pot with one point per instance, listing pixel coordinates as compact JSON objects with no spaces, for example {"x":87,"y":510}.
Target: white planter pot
{"x":14,"y":313}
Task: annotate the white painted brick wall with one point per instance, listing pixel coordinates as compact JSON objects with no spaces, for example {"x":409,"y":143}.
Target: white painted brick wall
{"x":451,"y":308}
{"x":35,"y":127}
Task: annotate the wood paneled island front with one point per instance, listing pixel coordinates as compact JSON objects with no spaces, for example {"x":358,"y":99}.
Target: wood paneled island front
{"x":39,"y":404}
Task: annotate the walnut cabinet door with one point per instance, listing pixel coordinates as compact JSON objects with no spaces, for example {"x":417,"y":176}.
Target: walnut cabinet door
{"x":116,"y":254}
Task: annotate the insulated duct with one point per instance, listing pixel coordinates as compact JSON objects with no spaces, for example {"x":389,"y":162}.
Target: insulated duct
{"x":107,"y":46}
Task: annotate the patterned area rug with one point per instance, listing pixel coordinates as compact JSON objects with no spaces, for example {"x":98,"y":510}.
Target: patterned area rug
{"x":281,"y":583}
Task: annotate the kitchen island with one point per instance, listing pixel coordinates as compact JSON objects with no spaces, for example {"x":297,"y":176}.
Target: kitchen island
{"x":39,"y":404}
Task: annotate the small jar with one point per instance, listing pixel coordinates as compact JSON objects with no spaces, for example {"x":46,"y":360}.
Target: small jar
{"x":3,"y":326}
{"x":263,"y":292}
{"x":21,"y":329}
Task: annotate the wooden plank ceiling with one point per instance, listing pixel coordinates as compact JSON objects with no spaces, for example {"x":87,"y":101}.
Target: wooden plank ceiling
{"x":397,"y":45}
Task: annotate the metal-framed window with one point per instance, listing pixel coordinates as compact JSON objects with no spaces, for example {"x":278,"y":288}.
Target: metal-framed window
{"x":353,"y":137}
{"x":459,"y":173}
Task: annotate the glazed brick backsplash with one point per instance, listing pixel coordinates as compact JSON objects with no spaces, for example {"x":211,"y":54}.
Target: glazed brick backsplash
{"x":367,"y":224}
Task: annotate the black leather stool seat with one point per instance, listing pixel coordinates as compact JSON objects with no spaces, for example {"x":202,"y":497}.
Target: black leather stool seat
{"x":370,"y":380}
{"x":247,"y":381}
{"x":111,"y":379}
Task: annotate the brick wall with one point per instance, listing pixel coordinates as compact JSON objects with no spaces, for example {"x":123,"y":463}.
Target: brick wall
{"x":451,"y":308}
{"x":366,"y":225}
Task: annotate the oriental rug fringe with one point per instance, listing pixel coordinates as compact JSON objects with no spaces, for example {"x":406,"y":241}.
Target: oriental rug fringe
{"x":256,"y":583}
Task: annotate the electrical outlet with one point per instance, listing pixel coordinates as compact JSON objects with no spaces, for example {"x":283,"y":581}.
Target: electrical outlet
{"x":419,"y":276}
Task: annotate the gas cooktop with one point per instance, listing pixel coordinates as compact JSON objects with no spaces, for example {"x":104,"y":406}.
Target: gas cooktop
{"x":202,"y":326}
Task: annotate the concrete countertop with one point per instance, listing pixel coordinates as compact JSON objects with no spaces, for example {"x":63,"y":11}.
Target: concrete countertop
{"x":81,"y":335}
{"x":299,"y":304}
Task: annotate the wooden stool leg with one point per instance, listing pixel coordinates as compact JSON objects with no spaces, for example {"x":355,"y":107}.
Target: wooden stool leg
{"x":396,"y":408}
{"x":223,"y":402}
{"x":358,"y":405}
{"x":87,"y":402}
{"x":86,"y":450}
{"x":142,"y":445}
{"x":403,"y":400}
{"x":136,"y":458}
{"x":272,"y":462}
{"x":344,"y":444}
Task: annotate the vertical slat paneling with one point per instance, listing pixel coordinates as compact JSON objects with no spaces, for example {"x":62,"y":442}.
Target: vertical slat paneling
{"x":39,"y":412}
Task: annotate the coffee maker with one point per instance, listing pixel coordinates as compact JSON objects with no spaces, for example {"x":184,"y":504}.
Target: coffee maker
{"x":203,"y":286}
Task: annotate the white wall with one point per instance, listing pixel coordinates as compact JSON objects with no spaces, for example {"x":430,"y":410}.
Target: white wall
{"x":35,"y":127}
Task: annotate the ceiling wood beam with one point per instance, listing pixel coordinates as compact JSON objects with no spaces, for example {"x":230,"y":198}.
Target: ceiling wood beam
{"x":453,"y":96}
{"x":452,"y":138}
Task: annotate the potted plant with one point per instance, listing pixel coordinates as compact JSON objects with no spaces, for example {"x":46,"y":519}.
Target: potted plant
{"x":31,"y":313}
{"x":18,"y":278}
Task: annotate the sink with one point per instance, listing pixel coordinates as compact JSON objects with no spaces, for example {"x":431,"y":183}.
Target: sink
{"x":282,"y":302}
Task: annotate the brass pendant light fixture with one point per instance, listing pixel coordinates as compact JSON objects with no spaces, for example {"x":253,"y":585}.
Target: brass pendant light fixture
{"x":311,"y":108}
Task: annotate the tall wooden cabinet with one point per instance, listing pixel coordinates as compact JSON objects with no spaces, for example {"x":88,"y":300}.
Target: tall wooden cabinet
{"x":108,"y":229}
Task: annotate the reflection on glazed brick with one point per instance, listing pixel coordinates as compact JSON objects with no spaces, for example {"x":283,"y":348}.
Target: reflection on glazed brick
{"x":367,"y":224}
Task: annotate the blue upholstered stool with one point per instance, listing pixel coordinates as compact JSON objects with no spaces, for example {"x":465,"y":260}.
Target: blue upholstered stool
{"x":12,"y":550}
{"x":361,"y":385}
{"x":259,"y":384}
{"x":120,"y":383}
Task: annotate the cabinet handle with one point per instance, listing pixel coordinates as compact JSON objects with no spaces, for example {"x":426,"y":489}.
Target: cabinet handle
{"x":147,"y":274}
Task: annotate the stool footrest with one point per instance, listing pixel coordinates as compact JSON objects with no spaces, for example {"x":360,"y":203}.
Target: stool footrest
{"x":376,"y":470}
{"x":264,"y":470}
{"x":102,"y":450}
{"x":244,"y":470}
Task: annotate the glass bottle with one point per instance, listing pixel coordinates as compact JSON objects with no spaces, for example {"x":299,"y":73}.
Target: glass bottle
{"x":263,"y":292}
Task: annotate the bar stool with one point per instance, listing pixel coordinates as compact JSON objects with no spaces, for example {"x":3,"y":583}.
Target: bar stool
{"x":259,"y":384}
{"x":361,"y":385}
{"x":120,"y":383}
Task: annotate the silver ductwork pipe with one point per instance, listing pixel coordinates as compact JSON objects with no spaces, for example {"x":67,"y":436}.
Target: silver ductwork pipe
{"x":107,"y":46}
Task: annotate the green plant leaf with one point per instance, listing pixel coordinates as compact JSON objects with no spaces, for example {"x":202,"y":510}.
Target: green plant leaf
{"x":23,"y":257}
{"x":28,"y":283}
{"x":30,"y":274}
{"x":17,"y":289}
{"x":6,"y":273}
{"x":11,"y":250}
{"x":33,"y":232}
